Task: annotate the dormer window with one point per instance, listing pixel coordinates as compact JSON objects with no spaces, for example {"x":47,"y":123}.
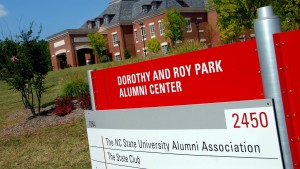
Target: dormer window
{"x":146,"y":8}
{"x":89,"y":24}
{"x":106,"y":20}
{"x":98,"y":23}
{"x":154,"y":5}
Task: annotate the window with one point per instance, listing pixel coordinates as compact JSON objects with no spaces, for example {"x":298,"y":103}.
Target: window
{"x":152,"y":30}
{"x":154,"y":6}
{"x":144,"y":37}
{"x":89,"y":25}
{"x":188,"y":24}
{"x":115,"y":38}
{"x":145,"y":9}
{"x":106,"y":19}
{"x":161,"y":28}
{"x":136,"y":36}
{"x":118,"y":56}
{"x":98,"y":23}
{"x":164,"y":47}
{"x":145,"y":51}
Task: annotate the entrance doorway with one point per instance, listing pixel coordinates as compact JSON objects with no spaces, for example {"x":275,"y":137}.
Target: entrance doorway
{"x":62,"y":61}
{"x":85,"y":57}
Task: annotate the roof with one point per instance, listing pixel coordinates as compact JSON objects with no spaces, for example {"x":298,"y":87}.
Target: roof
{"x":127,"y":11}
{"x":71,"y":32}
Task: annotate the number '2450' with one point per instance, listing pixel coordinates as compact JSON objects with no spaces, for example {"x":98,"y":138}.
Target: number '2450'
{"x":253,"y":120}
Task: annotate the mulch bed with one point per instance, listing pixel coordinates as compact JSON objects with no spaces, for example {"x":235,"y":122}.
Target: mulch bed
{"x":30,"y":125}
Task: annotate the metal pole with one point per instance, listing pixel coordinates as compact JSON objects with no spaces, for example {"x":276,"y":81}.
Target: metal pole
{"x":265,"y":26}
{"x":89,"y":75}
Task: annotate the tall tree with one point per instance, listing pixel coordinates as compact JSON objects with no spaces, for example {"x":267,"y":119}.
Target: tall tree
{"x":289,"y":12}
{"x":236,"y":16}
{"x":98,"y":43}
{"x":174,"y":25}
{"x":229,"y":20}
{"x":27,"y":64}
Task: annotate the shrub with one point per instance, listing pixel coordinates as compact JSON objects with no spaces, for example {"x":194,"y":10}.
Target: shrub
{"x":186,"y":46}
{"x":153,"y":46}
{"x":64,"y":106}
{"x":75,"y":87}
{"x":127,"y":55}
{"x":104,"y":59}
{"x":85,"y":101}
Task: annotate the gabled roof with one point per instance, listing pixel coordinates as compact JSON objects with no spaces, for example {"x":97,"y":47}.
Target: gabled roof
{"x":70,"y":32}
{"x":127,"y":11}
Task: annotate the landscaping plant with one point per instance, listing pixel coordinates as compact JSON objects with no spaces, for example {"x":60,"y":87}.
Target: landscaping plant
{"x":63,"y":106}
{"x":153,"y":46}
{"x":24,"y":65}
{"x":75,"y":87}
{"x":84,"y":101}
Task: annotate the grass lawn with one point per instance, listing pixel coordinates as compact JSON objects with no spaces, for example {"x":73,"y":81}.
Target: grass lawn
{"x":64,"y":146}
{"x":10,"y":101}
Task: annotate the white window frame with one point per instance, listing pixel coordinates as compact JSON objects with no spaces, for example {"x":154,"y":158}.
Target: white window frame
{"x":145,"y":51}
{"x":106,"y":21}
{"x":136,"y":36}
{"x":161,"y":28}
{"x":162,"y":45}
{"x":89,"y":25}
{"x":118,"y":54}
{"x":143,"y":33}
{"x":152,"y":30}
{"x":97,"y":23}
{"x":200,"y":21}
{"x":188,"y":27}
{"x":115,"y":38}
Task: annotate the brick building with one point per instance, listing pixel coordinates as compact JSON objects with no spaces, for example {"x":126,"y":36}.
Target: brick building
{"x":129,"y":24}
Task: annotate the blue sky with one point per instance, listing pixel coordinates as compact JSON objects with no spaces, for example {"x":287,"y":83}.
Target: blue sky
{"x":54,"y":16}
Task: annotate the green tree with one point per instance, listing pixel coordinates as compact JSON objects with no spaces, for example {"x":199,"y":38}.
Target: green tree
{"x":27,"y":64}
{"x":229,"y":19}
{"x":289,"y":12}
{"x":153,"y":45}
{"x":236,"y":16}
{"x":174,"y":25}
{"x":98,"y":43}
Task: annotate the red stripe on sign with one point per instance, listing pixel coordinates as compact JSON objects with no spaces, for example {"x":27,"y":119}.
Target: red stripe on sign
{"x":104,"y":153}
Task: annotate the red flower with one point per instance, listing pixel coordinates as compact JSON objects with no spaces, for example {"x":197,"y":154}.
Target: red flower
{"x":14,"y":59}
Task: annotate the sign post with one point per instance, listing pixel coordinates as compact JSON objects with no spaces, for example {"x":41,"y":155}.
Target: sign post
{"x":265,"y":26}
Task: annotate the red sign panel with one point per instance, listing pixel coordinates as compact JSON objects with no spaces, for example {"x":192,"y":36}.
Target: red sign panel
{"x":288,"y":59}
{"x":222,"y":74}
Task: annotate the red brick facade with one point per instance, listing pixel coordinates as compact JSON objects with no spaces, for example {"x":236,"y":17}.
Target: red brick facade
{"x":72,"y":47}
{"x":70,"y":50}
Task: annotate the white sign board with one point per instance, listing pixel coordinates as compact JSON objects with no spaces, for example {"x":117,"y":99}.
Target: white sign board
{"x":235,"y":135}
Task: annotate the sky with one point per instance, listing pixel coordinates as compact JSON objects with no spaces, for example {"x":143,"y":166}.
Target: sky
{"x":53,"y":16}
